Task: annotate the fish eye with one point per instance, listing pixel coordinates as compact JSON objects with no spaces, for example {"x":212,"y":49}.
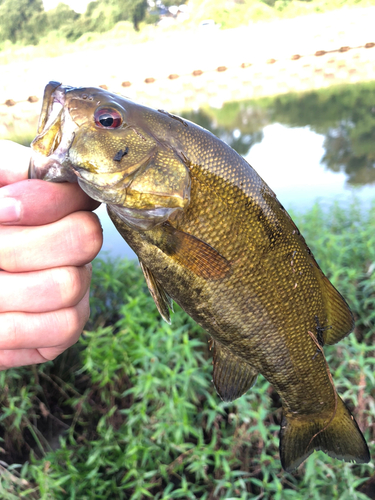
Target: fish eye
{"x":107,"y":118}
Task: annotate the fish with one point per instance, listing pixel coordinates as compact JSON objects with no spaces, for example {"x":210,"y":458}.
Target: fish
{"x":213,"y":237}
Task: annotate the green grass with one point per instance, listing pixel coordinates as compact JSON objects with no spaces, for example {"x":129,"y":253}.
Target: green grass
{"x":130,"y":412}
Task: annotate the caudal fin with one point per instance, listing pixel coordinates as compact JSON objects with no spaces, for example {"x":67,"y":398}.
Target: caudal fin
{"x":341,"y":438}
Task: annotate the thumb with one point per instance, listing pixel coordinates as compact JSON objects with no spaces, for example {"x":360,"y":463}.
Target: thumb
{"x":14,"y":162}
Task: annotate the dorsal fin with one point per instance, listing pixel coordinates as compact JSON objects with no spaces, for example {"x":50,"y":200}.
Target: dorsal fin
{"x":340,"y":321}
{"x":162,"y":300}
{"x":232,"y":376}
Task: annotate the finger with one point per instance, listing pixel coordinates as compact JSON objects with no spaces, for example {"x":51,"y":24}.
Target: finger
{"x":36,"y":202}
{"x":10,"y":358}
{"x":51,"y":332}
{"x":14,"y":162}
{"x":43,"y":291}
{"x":72,"y":241}
{"x":25,"y":356}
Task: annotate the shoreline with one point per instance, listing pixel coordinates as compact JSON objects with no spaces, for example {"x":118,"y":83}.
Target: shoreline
{"x":211,"y":67}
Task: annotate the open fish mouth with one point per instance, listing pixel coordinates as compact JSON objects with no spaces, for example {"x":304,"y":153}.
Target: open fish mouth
{"x":56,"y":131}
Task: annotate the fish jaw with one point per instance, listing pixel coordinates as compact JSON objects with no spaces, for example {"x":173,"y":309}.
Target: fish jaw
{"x":50,"y":148}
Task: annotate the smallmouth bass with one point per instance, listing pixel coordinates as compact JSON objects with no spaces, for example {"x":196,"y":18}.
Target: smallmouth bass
{"x":211,"y":235}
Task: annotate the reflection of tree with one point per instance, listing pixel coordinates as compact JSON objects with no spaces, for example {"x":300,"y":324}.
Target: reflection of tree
{"x":238,"y":124}
{"x":341,"y":154}
{"x":345,"y":115}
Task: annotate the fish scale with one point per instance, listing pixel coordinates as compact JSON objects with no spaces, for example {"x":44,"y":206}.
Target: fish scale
{"x":211,"y":235}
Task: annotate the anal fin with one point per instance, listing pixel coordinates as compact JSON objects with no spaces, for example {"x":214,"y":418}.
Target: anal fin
{"x":232,"y":376}
{"x":340,"y":321}
{"x":162,"y":300}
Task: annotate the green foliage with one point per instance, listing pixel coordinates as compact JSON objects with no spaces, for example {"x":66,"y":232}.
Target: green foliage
{"x":21,"y":20}
{"x":26,"y":22}
{"x":130,"y":411}
{"x":63,"y":20}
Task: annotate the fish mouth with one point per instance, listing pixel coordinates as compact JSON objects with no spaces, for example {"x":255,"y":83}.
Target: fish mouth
{"x":56,"y":130}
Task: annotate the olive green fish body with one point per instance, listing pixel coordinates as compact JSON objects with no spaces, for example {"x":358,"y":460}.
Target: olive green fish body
{"x":271,"y":294}
{"x":211,"y":235}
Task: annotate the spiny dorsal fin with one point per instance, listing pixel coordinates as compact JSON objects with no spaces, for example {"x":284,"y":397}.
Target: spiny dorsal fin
{"x":195,"y":254}
{"x":339,"y":317}
{"x":162,"y":300}
{"x":232,"y":376}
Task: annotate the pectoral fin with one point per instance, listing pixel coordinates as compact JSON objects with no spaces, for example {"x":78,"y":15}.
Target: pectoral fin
{"x":232,"y":377}
{"x":193,"y":253}
{"x":161,"y":298}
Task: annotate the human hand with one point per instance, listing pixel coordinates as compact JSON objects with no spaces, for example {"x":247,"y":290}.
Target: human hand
{"x":48,"y":237}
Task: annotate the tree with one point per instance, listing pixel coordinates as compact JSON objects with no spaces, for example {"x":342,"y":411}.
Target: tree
{"x":22,"y":20}
{"x":102,"y":15}
{"x":60,"y":16}
{"x":138,"y":12}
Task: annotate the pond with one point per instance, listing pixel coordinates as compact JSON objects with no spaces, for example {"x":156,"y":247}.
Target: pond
{"x":317,"y":145}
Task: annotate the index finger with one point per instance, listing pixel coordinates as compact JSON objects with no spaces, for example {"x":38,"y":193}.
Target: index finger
{"x":14,"y":162}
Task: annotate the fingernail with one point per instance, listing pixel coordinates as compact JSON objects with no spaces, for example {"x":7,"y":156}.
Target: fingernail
{"x":10,"y":210}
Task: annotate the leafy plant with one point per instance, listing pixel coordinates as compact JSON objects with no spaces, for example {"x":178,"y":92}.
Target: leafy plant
{"x":130,"y":411}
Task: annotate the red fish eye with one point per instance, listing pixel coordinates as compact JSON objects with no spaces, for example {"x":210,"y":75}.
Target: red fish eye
{"x":107,"y":118}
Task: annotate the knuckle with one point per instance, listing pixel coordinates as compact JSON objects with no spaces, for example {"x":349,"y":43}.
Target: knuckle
{"x":88,"y":234}
{"x":74,"y":321}
{"x":13,"y":326}
{"x":48,"y":354}
{"x":72,"y":327}
{"x":51,"y":357}
{"x":72,"y":283}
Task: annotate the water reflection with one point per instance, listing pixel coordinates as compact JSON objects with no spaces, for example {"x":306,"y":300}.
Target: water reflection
{"x":289,"y":160}
{"x":305,"y":146}
{"x":344,"y":115}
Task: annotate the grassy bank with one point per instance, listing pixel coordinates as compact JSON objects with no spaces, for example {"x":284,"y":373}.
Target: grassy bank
{"x":226,"y":15}
{"x":130,"y":412}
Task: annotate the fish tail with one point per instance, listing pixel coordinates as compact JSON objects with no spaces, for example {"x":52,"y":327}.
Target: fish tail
{"x":339,"y":437}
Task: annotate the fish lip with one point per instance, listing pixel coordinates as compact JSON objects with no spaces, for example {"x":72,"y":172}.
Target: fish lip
{"x":46,"y":104}
{"x":53,"y":166}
